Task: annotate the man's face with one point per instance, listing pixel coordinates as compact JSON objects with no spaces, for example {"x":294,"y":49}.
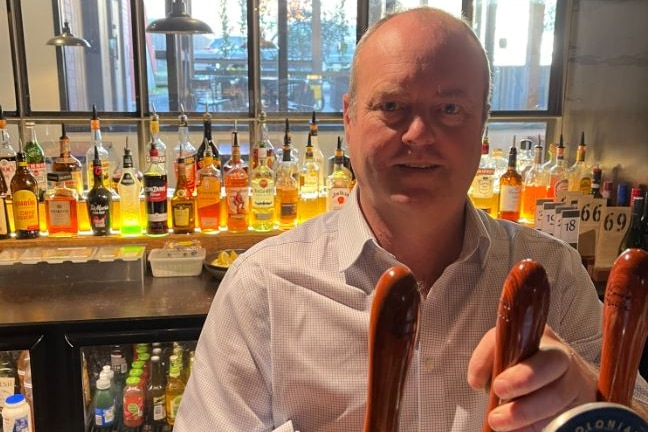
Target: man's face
{"x":415,"y":129}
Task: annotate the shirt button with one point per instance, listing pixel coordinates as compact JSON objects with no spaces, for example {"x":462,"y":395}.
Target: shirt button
{"x":429,"y":364}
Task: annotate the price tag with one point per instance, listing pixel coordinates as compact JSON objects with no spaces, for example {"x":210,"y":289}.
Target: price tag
{"x":615,"y":221}
{"x":549,"y":216}
{"x":567,"y":224}
{"x":539,"y":213}
{"x":590,"y":220}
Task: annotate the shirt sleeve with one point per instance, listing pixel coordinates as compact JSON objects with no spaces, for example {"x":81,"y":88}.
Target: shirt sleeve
{"x":230,"y":388}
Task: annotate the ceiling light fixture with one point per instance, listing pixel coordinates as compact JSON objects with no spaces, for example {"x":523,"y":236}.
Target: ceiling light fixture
{"x":66,"y":38}
{"x":178,"y":21}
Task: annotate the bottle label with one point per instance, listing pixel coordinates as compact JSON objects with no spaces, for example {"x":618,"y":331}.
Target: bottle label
{"x":7,"y":388}
{"x":483,"y":183}
{"x":337,"y":196}
{"x":25,"y":207}
{"x":39,"y":172}
{"x":181,"y":214}
{"x":98,"y":215}
{"x":8,"y":169}
{"x":237,"y":201}
{"x":155,"y":190}
{"x":127,"y":179}
{"x":60,"y":213}
{"x":105,"y":416}
{"x":560,"y":185}
{"x":263,"y":195}
{"x":159,"y":410}
{"x":510,"y":198}
{"x":174,"y":405}
{"x":17,"y":424}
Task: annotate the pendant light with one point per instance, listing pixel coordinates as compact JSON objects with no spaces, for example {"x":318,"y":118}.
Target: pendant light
{"x":178,"y":21}
{"x":66,"y":38}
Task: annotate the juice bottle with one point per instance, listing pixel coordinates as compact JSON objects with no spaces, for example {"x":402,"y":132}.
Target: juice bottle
{"x":133,"y":403}
{"x":174,"y":390}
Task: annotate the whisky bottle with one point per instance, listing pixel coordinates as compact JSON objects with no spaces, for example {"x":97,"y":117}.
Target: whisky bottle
{"x":264,"y":137}
{"x":129,"y":189}
{"x":579,"y":175}
{"x":634,"y":238}
{"x":35,"y":158}
{"x":184,"y":149}
{"x":318,"y":156}
{"x":5,"y":227}
{"x":61,"y":206}
{"x":207,"y":142}
{"x":24,"y":191}
{"x":99,"y":199}
{"x":558,"y":172}
{"x":338,"y":182}
{"x":482,"y":190}
{"x":534,"y":187}
{"x":155,"y":193}
{"x":510,"y":190}
{"x":596,"y":181}
{"x":154,"y":129}
{"x":7,"y":152}
{"x":286,"y":185}
{"x":104,"y":155}
{"x":309,"y":187}
{"x":263,"y":192}
{"x":183,"y":202}
{"x":67,"y":163}
{"x":208,"y":192}
{"x":236,"y":190}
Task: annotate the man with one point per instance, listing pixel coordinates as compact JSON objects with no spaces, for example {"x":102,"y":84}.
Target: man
{"x":285,"y":344}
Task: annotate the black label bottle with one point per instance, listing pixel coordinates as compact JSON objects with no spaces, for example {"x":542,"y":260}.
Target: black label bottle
{"x":633,"y":238}
{"x":99,"y":200}
{"x":155,"y":192}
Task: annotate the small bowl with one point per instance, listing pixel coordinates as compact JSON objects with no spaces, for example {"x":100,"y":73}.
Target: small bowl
{"x":216,"y":270}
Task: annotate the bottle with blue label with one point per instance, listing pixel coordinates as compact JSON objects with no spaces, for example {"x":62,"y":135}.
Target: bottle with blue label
{"x":104,"y":405}
{"x":16,"y":415}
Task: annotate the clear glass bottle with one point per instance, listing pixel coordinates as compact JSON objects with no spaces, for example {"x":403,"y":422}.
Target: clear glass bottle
{"x":154,"y":129}
{"x":286,"y":186}
{"x":482,"y":191}
{"x":129,"y":189}
{"x":339,"y":181}
{"x":579,"y":175}
{"x":510,"y":190}
{"x":174,"y":389}
{"x":208,"y":194}
{"x":534,"y":187}
{"x":186,"y":150}
{"x":183,"y":202}
{"x":155,"y":193}
{"x":318,"y":156}
{"x":262,"y":184}
{"x":66,"y":162}
{"x":35,"y":158}
{"x":264,"y":137}
{"x":24,"y":192}
{"x":309,"y":187}
{"x":155,"y":409}
{"x":61,"y":206}
{"x":236,"y":190}
{"x":104,"y":154}
{"x":558,"y":172}
{"x":99,"y":199}
{"x":7,"y":152}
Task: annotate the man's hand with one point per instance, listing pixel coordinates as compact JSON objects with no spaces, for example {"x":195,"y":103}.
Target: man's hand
{"x":537,"y":389}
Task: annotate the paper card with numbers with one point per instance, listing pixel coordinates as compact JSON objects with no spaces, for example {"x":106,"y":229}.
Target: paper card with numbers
{"x":614,"y":223}
{"x":539,"y":213}
{"x":549,"y":216}
{"x":567,"y":222}
{"x":590,"y":220}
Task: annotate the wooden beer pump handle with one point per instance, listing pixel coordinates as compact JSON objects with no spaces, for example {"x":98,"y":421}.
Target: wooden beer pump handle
{"x":393,"y":328}
{"x":625,"y":326}
{"x":521,"y":318}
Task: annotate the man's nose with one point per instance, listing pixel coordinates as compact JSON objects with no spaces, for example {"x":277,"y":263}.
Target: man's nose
{"x":420,"y":131}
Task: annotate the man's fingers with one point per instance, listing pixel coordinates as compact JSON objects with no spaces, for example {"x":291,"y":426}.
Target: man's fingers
{"x":480,"y":366}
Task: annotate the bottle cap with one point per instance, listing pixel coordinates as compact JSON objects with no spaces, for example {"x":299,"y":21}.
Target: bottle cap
{"x":103,"y":384}
{"x":132,"y":381}
{"x":14,"y":399}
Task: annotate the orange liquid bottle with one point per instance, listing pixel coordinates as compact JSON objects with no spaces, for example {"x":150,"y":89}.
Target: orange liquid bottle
{"x":237,"y":191}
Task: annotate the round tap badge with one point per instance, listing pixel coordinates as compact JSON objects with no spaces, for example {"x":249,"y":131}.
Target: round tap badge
{"x":598,"y":417}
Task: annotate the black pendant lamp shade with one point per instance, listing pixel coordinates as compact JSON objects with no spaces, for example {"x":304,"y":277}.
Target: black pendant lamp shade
{"x":178,"y":21}
{"x":66,"y":38}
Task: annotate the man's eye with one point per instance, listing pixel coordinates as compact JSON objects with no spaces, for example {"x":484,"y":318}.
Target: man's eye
{"x":450,"y":109}
{"x":390,"y":106}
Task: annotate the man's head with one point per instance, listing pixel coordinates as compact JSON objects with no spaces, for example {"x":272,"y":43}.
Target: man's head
{"x":415,"y":111}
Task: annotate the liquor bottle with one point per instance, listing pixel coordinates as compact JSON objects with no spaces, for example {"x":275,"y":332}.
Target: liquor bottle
{"x":104,"y":155}
{"x":286,"y":185}
{"x":579,"y":175}
{"x":318,"y":156}
{"x":339,"y":181}
{"x":154,"y":129}
{"x":186,"y":150}
{"x":7,"y":152}
{"x":174,"y":389}
{"x":24,"y":191}
{"x":155,"y":407}
{"x":510,"y":190}
{"x":264,"y":137}
{"x":61,"y":206}
{"x":35,"y":158}
{"x":262,"y":183}
{"x":534,"y":187}
{"x":634,"y":193}
{"x":596,"y":181}
{"x":346,"y":162}
{"x":129,"y":189}
{"x":634,"y":238}
{"x":207,"y":142}
{"x":309,"y":187}
{"x":551,"y":161}
{"x":99,"y":199}
{"x":117,"y":172}
{"x":558,"y":172}
{"x":183,"y":202}
{"x":236,"y":190}
{"x":482,"y":191}
{"x":5,"y":227}
{"x":525,"y":156}
{"x":208,"y":193}
{"x":155,"y":192}
{"x":66,"y":162}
